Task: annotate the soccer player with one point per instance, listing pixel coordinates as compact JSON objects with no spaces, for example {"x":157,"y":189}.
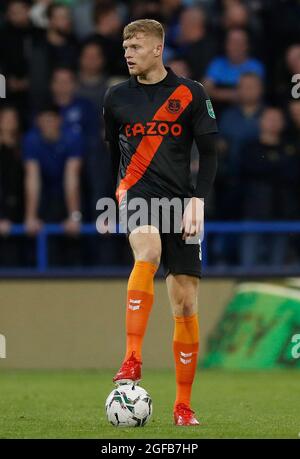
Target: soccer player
{"x":151,"y":121}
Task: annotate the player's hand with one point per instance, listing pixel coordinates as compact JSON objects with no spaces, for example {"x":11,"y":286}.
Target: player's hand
{"x":71,"y":227}
{"x":33,"y":226}
{"x":193,"y":218}
{"x":5,"y":226}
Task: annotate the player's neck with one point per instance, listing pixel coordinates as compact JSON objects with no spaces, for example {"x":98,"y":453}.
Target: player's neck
{"x":153,"y":75}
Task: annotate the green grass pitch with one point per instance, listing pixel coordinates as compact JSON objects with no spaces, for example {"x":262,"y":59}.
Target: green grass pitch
{"x":70,"y":404}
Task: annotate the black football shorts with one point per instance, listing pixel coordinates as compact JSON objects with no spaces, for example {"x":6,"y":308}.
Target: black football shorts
{"x":178,"y":256}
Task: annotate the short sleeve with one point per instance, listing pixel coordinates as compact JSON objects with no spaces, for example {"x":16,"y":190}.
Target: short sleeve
{"x":111,"y":127}
{"x":203,"y":115}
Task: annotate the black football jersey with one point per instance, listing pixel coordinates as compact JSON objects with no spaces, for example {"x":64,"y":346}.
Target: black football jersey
{"x":155,"y":134}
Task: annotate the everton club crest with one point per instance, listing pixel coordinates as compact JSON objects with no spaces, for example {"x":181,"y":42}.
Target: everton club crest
{"x":174,"y":105}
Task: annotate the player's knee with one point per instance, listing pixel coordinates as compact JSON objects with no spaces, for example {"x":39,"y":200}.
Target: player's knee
{"x":185,"y":309}
{"x":150,"y":254}
{"x":189,"y":308}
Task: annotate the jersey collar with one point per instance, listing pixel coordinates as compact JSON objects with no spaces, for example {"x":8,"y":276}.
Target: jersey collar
{"x":170,"y":80}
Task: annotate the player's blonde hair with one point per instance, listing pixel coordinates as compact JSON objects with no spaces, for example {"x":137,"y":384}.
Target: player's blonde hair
{"x":146,"y":26}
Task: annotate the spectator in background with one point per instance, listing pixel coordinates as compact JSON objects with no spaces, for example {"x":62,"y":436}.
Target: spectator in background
{"x":80,"y":115}
{"x":2,"y":11}
{"x":237,"y":16}
{"x":108,"y":33}
{"x":52,"y":157}
{"x":171,"y":10}
{"x":292,"y":57}
{"x":293,"y":136}
{"x":11,"y":170}
{"x":281,"y":22}
{"x":193,"y":43}
{"x":38,"y":36}
{"x":238,"y":125}
{"x":77,"y":113}
{"x":58,"y":47}
{"x":17,"y":36}
{"x":180,"y":67}
{"x":294,"y":117}
{"x":92,"y":82}
{"x":83,"y":18}
{"x":147,"y":9}
{"x":11,"y":185}
{"x":288,"y":66}
{"x":60,"y":39}
{"x":83,"y":12}
{"x":270,"y":172}
{"x":224,"y":72}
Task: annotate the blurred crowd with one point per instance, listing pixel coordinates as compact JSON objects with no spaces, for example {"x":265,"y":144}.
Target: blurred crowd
{"x":60,"y":57}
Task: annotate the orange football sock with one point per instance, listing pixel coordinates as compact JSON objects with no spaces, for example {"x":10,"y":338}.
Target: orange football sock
{"x":185,"y":348}
{"x":140,"y":294}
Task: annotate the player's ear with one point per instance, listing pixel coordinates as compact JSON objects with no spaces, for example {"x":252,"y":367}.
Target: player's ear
{"x":158,"y":50}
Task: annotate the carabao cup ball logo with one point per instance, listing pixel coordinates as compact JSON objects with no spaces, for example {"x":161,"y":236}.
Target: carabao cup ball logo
{"x":174,"y":105}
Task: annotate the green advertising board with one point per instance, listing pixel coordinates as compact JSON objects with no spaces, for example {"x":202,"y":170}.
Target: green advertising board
{"x":260,"y":329}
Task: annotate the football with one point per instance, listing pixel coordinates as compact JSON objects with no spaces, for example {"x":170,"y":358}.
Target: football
{"x":128,"y":406}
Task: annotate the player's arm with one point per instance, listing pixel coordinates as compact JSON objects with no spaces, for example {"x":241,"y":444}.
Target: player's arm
{"x":204,"y":130}
{"x":112,"y":135}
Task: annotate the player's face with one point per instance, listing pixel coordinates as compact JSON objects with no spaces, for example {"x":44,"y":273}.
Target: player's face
{"x":141,"y":53}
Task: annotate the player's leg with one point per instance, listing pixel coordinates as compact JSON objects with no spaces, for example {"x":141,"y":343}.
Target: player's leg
{"x":182,"y":262}
{"x":146,"y":249}
{"x":183,"y":293}
{"x":146,"y":246}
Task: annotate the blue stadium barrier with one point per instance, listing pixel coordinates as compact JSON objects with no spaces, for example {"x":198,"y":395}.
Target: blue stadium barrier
{"x":42,"y":268}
